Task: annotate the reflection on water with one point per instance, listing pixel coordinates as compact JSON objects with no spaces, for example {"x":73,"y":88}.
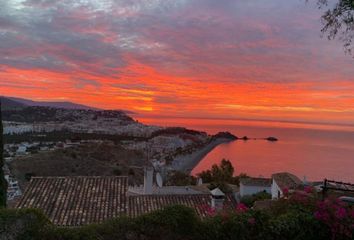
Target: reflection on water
{"x":314,"y":151}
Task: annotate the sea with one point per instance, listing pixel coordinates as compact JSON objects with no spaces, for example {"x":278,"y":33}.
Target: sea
{"x":313,"y":152}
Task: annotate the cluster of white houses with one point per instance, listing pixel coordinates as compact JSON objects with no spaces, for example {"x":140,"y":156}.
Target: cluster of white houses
{"x":99,"y":126}
{"x":76,"y":201}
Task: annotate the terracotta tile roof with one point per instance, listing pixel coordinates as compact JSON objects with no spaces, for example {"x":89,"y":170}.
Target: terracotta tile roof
{"x":286,"y":180}
{"x":250,"y":181}
{"x":142,"y":204}
{"x":75,"y":201}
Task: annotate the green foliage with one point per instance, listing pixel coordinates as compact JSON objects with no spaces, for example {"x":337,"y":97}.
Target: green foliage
{"x":23,"y":224}
{"x":235,"y":226}
{"x":338,"y":21}
{"x":177,"y":178}
{"x":174,"y":222}
{"x":297,"y":225}
{"x":251,"y":199}
{"x":220,"y":176}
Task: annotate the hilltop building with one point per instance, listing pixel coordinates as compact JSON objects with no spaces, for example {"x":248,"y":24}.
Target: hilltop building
{"x":250,"y":186}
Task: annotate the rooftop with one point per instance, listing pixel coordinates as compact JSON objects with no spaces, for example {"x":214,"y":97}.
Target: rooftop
{"x":142,"y":204}
{"x":286,"y":180}
{"x":165,"y":190}
{"x":262,"y":182}
{"x":74,"y":201}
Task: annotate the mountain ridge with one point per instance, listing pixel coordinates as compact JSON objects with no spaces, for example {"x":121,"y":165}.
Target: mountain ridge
{"x":13,"y":103}
{"x":54,"y":104}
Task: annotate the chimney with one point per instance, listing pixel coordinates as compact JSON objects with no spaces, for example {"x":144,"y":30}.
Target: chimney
{"x":148,"y":179}
{"x":199,"y":181}
{"x":217,"y":199}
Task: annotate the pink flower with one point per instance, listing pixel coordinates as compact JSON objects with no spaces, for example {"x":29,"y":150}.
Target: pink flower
{"x":340,"y":202}
{"x":252,"y":221}
{"x":321,"y":215}
{"x":285,"y":192}
{"x":318,"y":215}
{"x":207,"y":209}
{"x":241,"y":207}
{"x":351,"y":214}
{"x":341,"y":213}
{"x":308,"y":189}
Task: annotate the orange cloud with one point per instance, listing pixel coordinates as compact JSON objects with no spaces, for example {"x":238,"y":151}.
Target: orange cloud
{"x":202,"y":59}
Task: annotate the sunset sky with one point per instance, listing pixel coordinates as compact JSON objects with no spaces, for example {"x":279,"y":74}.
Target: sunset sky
{"x":259,"y":59}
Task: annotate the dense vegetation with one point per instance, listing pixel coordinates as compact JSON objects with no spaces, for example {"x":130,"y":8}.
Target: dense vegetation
{"x":176,"y":131}
{"x":220,"y":176}
{"x":249,"y":200}
{"x":300,"y":217}
{"x":178,"y":178}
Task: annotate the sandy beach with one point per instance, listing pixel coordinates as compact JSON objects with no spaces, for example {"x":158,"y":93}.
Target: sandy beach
{"x":186,"y":163}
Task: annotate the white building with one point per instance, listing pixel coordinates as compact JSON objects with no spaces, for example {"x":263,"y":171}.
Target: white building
{"x":284,"y":182}
{"x":17,"y":128}
{"x":250,"y":186}
{"x":13,"y":188}
{"x":21,"y":150}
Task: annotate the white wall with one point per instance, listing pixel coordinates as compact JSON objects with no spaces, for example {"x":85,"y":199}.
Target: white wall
{"x":148,"y":180}
{"x":249,"y":190}
{"x":276,"y":191}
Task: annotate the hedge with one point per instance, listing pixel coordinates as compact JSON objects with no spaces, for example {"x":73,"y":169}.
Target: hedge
{"x":22,"y":224}
{"x":173,"y":223}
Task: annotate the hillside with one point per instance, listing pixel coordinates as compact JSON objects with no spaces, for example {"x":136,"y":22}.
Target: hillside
{"x":93,"y":159}
{"x":49,"y":114}
{"x":31,"y":103}
{"x":9,"y":104}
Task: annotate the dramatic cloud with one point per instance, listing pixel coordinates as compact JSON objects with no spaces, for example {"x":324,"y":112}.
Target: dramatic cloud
{"x":194,"y":58}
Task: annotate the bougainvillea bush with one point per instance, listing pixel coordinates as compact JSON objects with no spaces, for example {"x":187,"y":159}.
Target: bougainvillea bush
{"x":336,"y":215}
{"x":299,"y":215}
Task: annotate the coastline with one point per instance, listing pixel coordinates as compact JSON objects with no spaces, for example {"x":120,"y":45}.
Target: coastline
{"x":186,"y":163}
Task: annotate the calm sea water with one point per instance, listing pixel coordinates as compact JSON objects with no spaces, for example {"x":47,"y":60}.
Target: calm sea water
{"x":314,"y":151}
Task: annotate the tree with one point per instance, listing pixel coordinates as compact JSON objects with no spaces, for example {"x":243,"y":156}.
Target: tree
{"x":177,"y":178}
{"x":338,"y":21}
{"x":3,"y":183}
{"x":249,"y":200}
{"x":219,"y":175}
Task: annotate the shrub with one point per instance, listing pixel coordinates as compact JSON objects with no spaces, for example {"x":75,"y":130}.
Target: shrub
{"x":22,"y":224}
{"x":177,"y":178}
{"x":174,"y":222}
{"x":296,"y":225}
{"x":250,"y":199}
